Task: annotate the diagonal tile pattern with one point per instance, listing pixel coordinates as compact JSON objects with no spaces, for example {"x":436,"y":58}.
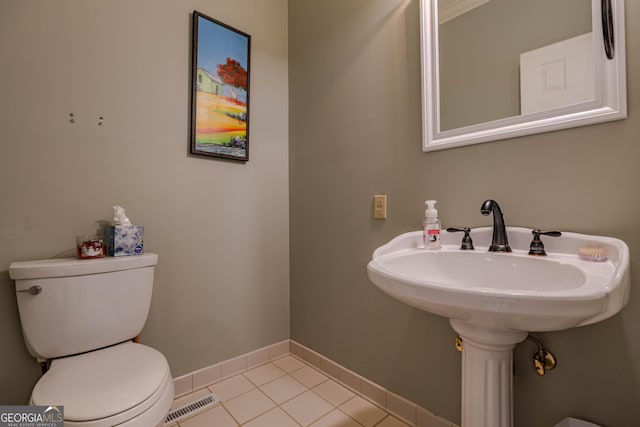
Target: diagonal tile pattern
{"x":285,"y":392}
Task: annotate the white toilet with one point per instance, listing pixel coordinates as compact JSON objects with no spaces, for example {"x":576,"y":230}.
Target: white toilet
{"x":81,"y":315}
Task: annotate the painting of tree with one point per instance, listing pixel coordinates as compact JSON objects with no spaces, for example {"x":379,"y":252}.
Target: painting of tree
{"x":233,"y":75}
{"x":220,"y":90}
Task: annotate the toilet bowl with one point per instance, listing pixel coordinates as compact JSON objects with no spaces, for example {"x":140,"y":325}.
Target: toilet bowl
{"x":127,"y":384}
{"x":81,"y":316}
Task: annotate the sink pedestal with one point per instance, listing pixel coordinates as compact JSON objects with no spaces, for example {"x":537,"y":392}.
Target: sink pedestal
{"x":487,"y":374}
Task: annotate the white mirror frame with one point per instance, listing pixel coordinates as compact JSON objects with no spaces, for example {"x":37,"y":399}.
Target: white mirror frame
{"x":610,"y":101}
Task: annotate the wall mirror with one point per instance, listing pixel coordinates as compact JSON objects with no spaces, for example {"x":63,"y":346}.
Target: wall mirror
{"x":495,"y":69}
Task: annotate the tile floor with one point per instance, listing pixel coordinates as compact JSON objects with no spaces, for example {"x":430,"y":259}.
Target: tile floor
{"x":285,"y":392}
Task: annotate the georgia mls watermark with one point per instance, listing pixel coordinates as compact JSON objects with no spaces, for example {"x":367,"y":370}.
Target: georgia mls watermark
{"x":31,"y":416}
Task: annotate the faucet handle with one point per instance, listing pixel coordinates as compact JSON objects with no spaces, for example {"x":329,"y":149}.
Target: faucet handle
{"x":467,"y":243}
{"x":537,"y":247}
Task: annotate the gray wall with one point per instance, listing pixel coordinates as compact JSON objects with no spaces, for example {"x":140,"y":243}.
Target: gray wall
{"x":355,"y":132}
{"x":221,"y":228}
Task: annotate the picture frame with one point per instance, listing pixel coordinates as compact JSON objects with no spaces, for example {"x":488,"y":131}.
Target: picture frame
{"x":220,"y":71}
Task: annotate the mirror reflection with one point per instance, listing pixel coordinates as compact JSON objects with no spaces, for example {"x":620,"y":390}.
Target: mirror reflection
{"x":503,"y":58}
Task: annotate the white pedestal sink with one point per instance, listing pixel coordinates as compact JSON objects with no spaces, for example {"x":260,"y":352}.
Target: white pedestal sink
{"x":493,"y":300}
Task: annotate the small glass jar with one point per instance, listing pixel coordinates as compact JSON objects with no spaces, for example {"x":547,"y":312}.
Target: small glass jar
{"x":89,"y":247}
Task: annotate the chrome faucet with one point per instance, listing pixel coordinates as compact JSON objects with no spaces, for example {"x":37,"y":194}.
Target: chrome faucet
{"x":499,"y":240}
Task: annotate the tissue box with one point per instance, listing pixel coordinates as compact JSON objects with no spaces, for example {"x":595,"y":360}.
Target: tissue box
{"x":121,"y":240}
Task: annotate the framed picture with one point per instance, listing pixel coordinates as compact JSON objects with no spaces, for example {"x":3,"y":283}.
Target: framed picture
{"x":219,"y":90}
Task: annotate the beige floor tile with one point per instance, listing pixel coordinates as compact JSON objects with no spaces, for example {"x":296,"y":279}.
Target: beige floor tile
{"x":289,"y":364}
{"x":336,"y":418}
{"x":231,"y":387}
{"x":306,"y":397}
{"x":308,"y":376}
{"x":213,"y":417}
{"x":333,"y":392}
{"x":307,"y":407}
{"x":392,"y":421}
{"x":274,"y":418}
{"x":263,"y":374}
{"x":248,"y":405}
{"x":364,"y":412}
{"x":283,"y":389}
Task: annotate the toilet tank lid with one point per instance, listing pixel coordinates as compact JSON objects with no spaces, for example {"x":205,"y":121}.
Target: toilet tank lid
{"x":64,"y":267}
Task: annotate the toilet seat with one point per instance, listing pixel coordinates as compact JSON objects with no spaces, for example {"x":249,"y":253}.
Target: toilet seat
{"x":126,"y":382}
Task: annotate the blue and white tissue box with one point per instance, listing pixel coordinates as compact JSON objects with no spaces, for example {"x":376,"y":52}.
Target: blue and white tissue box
{"x":123,"y":240}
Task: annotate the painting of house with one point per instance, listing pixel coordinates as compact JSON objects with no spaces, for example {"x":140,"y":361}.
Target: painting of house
{"x":208,"y":83}
{"x":220,"y":90}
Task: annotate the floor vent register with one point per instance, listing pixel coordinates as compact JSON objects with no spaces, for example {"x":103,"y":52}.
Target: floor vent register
{"x":191,"y":409}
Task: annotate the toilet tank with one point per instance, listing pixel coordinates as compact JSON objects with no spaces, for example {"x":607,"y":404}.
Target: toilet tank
{"x":84,"y":304}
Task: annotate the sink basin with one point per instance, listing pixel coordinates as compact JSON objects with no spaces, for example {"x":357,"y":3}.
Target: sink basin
{"x":493,"y":300}
{"x":506,"y":290}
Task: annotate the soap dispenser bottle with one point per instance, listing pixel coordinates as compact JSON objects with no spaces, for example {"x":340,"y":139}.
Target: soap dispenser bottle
{"x":431,"y":226}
